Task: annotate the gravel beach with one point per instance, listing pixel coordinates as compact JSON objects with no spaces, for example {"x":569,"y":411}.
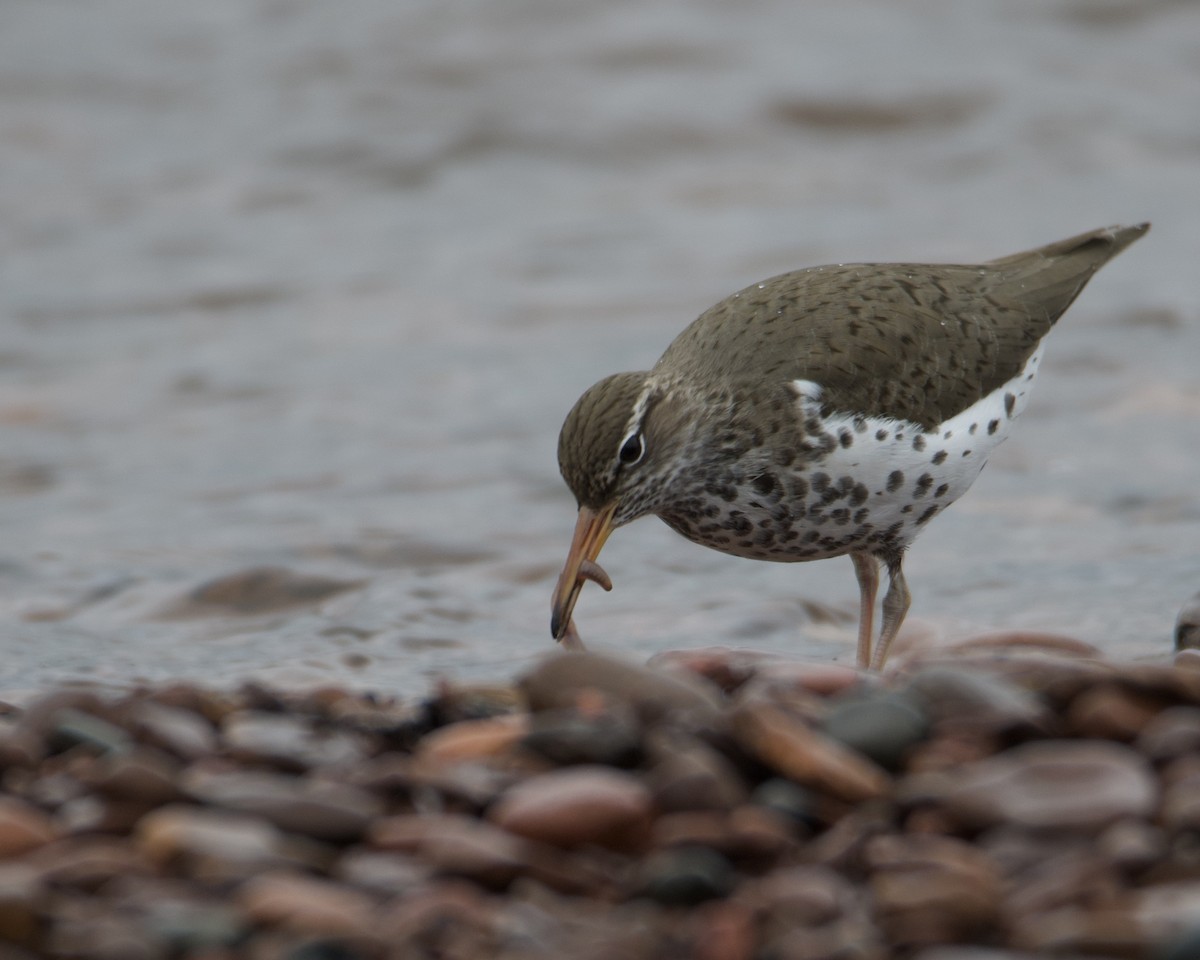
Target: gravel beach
{"x":1010,"y":799}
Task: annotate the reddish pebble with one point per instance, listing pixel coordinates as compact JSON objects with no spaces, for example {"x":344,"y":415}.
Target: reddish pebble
{"x":306,"y":904}
{"x":22,"y":827}
{"x":790,"y":747}
{"x":578,"y":806}
{"x":474,"y":739}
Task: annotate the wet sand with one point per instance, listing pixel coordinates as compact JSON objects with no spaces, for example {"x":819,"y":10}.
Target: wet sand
{"x":289,"y":288}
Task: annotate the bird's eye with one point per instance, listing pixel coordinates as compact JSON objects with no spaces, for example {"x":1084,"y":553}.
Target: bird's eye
{"x":631,"y":450}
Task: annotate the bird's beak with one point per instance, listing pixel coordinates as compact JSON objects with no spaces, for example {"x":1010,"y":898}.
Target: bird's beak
{"x":591,"y":530}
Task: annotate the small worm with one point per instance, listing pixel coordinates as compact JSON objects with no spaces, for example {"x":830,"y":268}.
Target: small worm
{"x":591,"y":570}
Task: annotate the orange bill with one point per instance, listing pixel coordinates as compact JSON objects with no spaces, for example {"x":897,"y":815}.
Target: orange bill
{"x":591,"y":530}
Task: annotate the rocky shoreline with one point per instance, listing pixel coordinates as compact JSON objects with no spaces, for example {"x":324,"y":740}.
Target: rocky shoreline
{"x":1010,"y":799}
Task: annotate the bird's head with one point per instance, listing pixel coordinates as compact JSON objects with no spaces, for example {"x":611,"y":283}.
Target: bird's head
{"x":617,"y":453}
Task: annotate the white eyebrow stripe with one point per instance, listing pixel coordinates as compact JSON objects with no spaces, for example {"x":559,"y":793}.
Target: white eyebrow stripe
{"x":635,"y":420}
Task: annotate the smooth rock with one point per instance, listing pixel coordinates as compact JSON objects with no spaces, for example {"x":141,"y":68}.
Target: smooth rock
{"x":453,"y":845}
{"x":1172,"y":733}
{"x":788,"y":800}
{"x":78,"y":728}
{"x":92,"y":933}
{"x":559,"y":680}
{"x":22,"y":903}
{"x":20,"y":746}
{"x":724,"y":667}
{"x":474,"y":739}
{"x":1167,"y":911}
{"x":950,"y":749}
{"x":1056,"y":644}
{"x":1047,"y":785}
{"x":95,"y":813}
{"x":1183,"y":946}
{"x":381,"y":871}
{"x":687,"y":774}
{"x":823,"y":679}
{"x":213,"y":843}
{"x":960,"y":699}
{"x":791,"y":748}
{"x":42,"y":714}
{"x":578,"y":806}
{"x":723,"y":930}
{"x":748,"y":834}
{"x":564,"y":737}
{"x":1181,"y":799}
{"x":879,"y":724}
{"x":1132,"y":845}
{"x":192,"y":927}
{"x":86,"y":863}
{"x":971,"y":953}
{"x":184,"y":733}
{"x":1105,"y":930}
{"x":1110,"y":712}
{"x":22,"y":827}
{"x":930,"y":889}
{"x":1187,"y":625}
{"x":288,"y":741}
{"x":685,"y":876}
{"x":1188,"y":659}
{"x":322,"y":809}
{"x":141,"y":773}
{"x":306,"y":904}
{"x":430,"y":914}
{"x":454,"y":702}
{"x":1048,"y":871}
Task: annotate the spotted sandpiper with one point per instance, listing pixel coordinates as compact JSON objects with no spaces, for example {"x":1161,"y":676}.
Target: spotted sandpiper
{"x":828,"y":411}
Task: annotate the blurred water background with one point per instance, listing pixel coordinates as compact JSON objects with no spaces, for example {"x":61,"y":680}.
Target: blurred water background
{"x":310,"y":286}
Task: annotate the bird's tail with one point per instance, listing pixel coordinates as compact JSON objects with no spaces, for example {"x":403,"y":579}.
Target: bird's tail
{"x":1054,"y":275}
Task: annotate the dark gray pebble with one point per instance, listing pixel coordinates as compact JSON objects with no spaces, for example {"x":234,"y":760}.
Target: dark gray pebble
{"x":686,"y":876}
{"x":879,"y":724}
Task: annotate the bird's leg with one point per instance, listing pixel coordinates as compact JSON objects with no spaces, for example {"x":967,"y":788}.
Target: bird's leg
{"x":866,"y":568}
{"x":895,"y":605}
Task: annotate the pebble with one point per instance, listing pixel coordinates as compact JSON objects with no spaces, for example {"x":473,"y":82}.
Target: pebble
{"x":879,"y":724}
{"x":1187,"y":625}
{"x":322,"y":809}
{"x":1049,"y":785}
{"x":793,"y":749}
{"x":685,"y":876}
{"x":1172,"y":733}
{"x":288,"y":741}
{"x":684,"y":773}
{"x":210,"y":843}
{"x":474,"y":739}
{"x":455,"y":845}
{"x":611,"y":736}
{"x":975,"y":700}
{"x":22,"y":828}
{"x":1003,"y":802}
{"x":1111,"y":712}
{"x":306,"y":904}
{"x":560,"y":680}
{"x":578,"y":806}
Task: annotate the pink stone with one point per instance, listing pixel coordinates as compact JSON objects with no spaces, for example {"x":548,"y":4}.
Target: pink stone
{"x":576,"y":807}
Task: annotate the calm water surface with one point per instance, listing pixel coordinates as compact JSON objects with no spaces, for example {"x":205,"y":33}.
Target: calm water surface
{"x":302,"y":287}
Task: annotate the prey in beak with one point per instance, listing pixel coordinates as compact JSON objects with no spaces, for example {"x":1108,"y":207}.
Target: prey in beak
{"x":591,"y":530}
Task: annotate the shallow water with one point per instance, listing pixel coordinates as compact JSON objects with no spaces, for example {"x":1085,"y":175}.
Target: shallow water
{"x":289,"y":287}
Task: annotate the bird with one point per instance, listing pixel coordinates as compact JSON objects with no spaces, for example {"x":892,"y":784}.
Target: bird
{"x":832,"y":410}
